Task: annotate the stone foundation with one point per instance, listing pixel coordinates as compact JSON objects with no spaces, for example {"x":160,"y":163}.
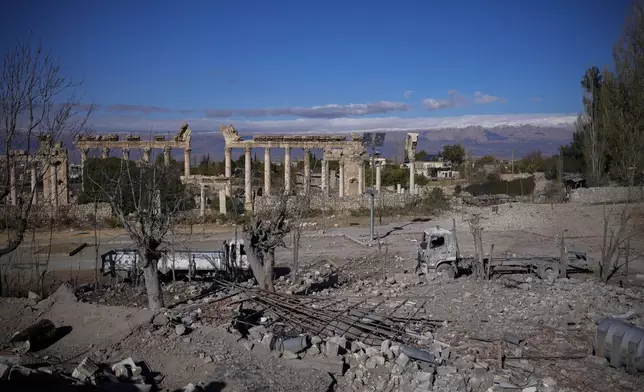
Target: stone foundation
{"x":342,"y":205}
{"x":609,"y":194}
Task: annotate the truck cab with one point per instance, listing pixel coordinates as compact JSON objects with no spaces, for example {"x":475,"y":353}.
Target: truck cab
{"x":438,"y":251}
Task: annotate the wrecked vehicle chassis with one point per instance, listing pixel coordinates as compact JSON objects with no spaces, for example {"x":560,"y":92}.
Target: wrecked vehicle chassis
{"x":438,"y":251}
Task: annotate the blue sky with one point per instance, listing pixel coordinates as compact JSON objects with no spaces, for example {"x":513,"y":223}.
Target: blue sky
{"x":403,"y":65}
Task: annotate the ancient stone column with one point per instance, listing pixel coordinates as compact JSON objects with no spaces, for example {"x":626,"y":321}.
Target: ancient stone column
{"x":307,"y":170}
{"x":202,"y":200}
{"x":398,"y":188}
{"x":34,"y":182}
{"x":105,"y":153}
{"x":228,"y":170}
{"x":360,"y":178}
{"x":126,"y":153}
{"x":378,"y":176}
{"x":267,"y":171}
{"x":412,"y":177}
{"x":186,"y":162}
{"x":84,"y":152}
{"x":12,"y":183}
{"x":222,"y":201}
{"x":248,"y":197}
{"x":325,"y":177}
{"x":341,"y":185}
{"x":287,"y":170}
{"x":146,"y":154}
{"x":166,"y":155}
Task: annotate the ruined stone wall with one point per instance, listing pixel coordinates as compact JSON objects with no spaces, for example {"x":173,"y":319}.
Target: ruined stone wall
{"x":79,"y":212}
{"x":343,"y":205}
{"x":609,"y":194}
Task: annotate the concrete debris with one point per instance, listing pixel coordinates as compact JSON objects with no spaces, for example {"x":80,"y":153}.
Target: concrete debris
{"x":124,"y":376}
{"x":85,"y":370}
{"x":180,"y":329}
{"x":65,"y":293}
{"x":257,"y":332}
{"x":160,"y":320}
{"x":33,"y":296}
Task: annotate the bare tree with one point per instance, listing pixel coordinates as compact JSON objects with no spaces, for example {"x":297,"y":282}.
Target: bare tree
{"x":614,"y":241}
{"x":296,"y":221}
{"x":146,"y":198}
{"x":262,"y":235}
{"x":37,"y":102}
{"x":477,"y":231}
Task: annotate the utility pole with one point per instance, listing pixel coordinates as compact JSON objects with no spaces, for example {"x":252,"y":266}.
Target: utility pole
{"x":512,"y":162}
{"x":373,"y":140}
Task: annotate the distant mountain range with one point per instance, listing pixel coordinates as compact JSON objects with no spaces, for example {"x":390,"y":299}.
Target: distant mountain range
{"x":501,"y":142}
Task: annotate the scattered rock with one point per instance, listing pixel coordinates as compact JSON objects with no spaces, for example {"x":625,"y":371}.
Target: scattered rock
{"x":160,"y":320}
{"x":289,"y":355}
{"x":33,"y":296}
{"x":331,"y":349}
{"x":207,"y":359}
{"x":402,"y":360}
{"x":180,"y":329}
{"x":65,"y":293}
{"x":257,"y":332}
{"x":596,"y":362}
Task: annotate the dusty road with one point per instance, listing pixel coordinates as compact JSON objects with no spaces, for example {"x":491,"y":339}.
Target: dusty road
{"x":526,"y":229}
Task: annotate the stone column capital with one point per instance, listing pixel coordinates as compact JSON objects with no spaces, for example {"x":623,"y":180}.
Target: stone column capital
{"x":247,"y":150}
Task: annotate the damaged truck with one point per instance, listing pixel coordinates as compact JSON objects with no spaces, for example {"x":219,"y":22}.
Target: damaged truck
{"x":126,"y":263}
{"x":438,"y":252}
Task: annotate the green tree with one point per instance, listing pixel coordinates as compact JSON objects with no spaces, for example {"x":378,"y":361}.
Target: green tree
{"x":454,"y":153}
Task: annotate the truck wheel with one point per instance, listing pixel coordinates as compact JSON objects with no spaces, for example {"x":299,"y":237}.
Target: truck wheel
{"x":548,"y":271}
{"x":446,"y":270}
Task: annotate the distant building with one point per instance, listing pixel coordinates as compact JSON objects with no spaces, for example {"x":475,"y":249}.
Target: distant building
{"x":433,"y":167}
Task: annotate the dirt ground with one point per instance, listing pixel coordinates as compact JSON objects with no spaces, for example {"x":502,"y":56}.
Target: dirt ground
{"x":557,"y":319}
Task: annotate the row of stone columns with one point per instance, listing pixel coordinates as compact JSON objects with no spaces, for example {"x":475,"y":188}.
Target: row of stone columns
{"x":287,"y":173}
{"x":50,"y":184}
{"x":202,"y":199}
{"x":105,"y":153}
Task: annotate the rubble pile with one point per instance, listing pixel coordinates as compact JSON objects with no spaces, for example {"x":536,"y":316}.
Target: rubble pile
{"x":389,"y":367}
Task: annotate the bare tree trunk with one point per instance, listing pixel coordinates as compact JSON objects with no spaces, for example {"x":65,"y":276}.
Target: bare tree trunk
{"x":256,"y":265}
{"x":476,"y":230}
{"x":269,"y":265}
{"x":489,"y":262}
{"x":296,"y":254}
{"x":563,"y":258}
{"x":152,"y":285}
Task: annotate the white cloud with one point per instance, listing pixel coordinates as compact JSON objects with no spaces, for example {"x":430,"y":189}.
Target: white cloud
{"x":408,"y":94}
{"x":481,"y":98}
{"x":324,"y":111}
{"x":335,"y":125}
{"x":454,"y":99}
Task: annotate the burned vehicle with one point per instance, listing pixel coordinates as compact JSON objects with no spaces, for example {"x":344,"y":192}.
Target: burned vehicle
{"x":438,"y":251}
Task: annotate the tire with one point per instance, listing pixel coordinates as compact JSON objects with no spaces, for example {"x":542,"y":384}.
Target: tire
{"x":548,"y":271}
{"x":446,"y":270}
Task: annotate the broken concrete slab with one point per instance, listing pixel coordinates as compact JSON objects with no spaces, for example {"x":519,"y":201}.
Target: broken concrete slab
{"x":257,"y":332}
{"x":329,"y":365}
{"x":86,"y":369}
